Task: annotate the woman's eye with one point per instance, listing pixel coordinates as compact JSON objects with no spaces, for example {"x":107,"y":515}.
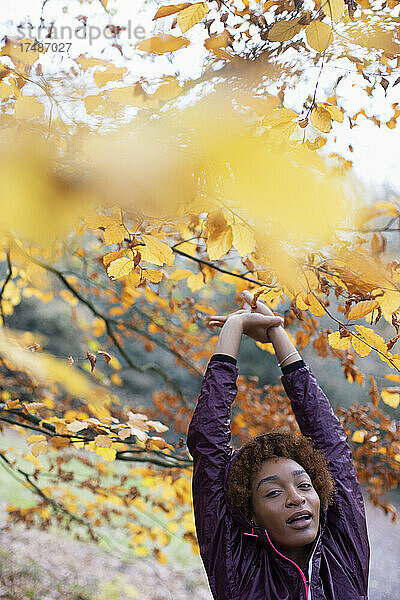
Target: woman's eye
{"x":277,"y":492}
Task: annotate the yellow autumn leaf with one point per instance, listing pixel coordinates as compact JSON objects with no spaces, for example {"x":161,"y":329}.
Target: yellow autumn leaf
{"x":39,"y":447}
{"x":120,"y":268}
{"x":266,"y":346}
{"x":333,"y":110}
{"x":334,"y":9}
{"x":135,"y":276}
{"x":284,"y":31}
{"x":321,"y":119}
{"x":360,"y":347}
{"x":12,"y":49}
{"x":282,"y":122}
{"x":389,"y":302}
{"x":156,"y":251}
{"x":163,"y":43}
{"x":5,"y":90}
{"x":167,"y":91}
{"x":314,"y":305}
{"x":152,"y":275}
{"x":361,"y":309}
{"x":35,"y":438}
{"x":219,"y":243}
{"x":165,"y":11}
{"x":108,"y":454}
{"x":300,"y":302}
{"x":316,"y":144}
{"x":69,"y":297}
{"x":390,"y":398}
{"x":111,"y":74}
{"x":160,"y":556}
{"x":85,"y":63}
{"x":114,"y":233}
{"x":337,"y":342}
{"x":172,"y":527}
{"x":108,"y":258}
{"x":193,"y":14}
{"x":141,"y":551}
{"x":319,"y":35}
{"x":312,"y":280}
{"x":358,"y":436}
{"x":28,"y":107}
{"x":372,"y":338}
{"x":393,"y":377}
{"x":179,"y":274}
{"x":214,"y":42}
{"x":243,"y":239}
{"x":195,"y":282}
{"x":39,"y":444}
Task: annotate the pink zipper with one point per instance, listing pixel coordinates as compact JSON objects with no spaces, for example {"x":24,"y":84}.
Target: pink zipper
{"x":252,"y":534}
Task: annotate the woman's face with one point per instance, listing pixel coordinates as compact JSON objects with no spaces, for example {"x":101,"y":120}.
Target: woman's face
{"x":279,"y":489}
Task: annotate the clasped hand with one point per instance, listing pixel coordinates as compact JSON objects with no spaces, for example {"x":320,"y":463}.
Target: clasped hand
{"x":255,"y":322}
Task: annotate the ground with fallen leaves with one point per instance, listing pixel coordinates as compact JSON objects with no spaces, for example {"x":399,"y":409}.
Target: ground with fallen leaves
{"x":37,"y":565}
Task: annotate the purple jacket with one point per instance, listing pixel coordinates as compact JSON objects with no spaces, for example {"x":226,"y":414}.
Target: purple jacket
{"x":240,"y":560}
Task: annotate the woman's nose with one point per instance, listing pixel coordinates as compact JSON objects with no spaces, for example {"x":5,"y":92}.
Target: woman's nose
{"x":295,"y":497}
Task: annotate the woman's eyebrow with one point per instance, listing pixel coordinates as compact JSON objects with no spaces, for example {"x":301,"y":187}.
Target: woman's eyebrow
{"x":274,"y":477}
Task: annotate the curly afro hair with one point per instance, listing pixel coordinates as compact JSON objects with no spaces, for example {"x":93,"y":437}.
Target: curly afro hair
{"x":278,"y":443}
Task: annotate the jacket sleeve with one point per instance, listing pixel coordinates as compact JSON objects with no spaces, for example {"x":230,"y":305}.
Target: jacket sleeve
{"x":208,"y":442}
{"x":317,"y":420}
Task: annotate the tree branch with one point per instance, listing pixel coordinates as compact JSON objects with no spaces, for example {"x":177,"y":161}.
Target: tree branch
{"x":3,"y":287}
{"x":150,"y":366}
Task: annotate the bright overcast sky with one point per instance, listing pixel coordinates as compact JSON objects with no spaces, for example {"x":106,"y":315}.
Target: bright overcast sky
{"x":376,"y":150}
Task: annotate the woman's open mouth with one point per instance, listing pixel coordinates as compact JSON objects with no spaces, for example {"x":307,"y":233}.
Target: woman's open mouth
{"x":300,"y":522}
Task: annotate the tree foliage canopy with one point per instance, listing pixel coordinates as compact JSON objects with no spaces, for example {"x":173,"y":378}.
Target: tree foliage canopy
{"x":141,"y":202}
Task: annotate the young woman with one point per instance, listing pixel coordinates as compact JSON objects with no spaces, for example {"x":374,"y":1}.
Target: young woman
{"x":282,"y":518}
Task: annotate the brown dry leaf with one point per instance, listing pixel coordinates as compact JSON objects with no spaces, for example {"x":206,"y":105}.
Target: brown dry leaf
{"x":284,"y":31}
{"x":59,"y":442}
{"x":92,"y":359}
{"x":124,"y":433}
{"x":107,"y":357}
